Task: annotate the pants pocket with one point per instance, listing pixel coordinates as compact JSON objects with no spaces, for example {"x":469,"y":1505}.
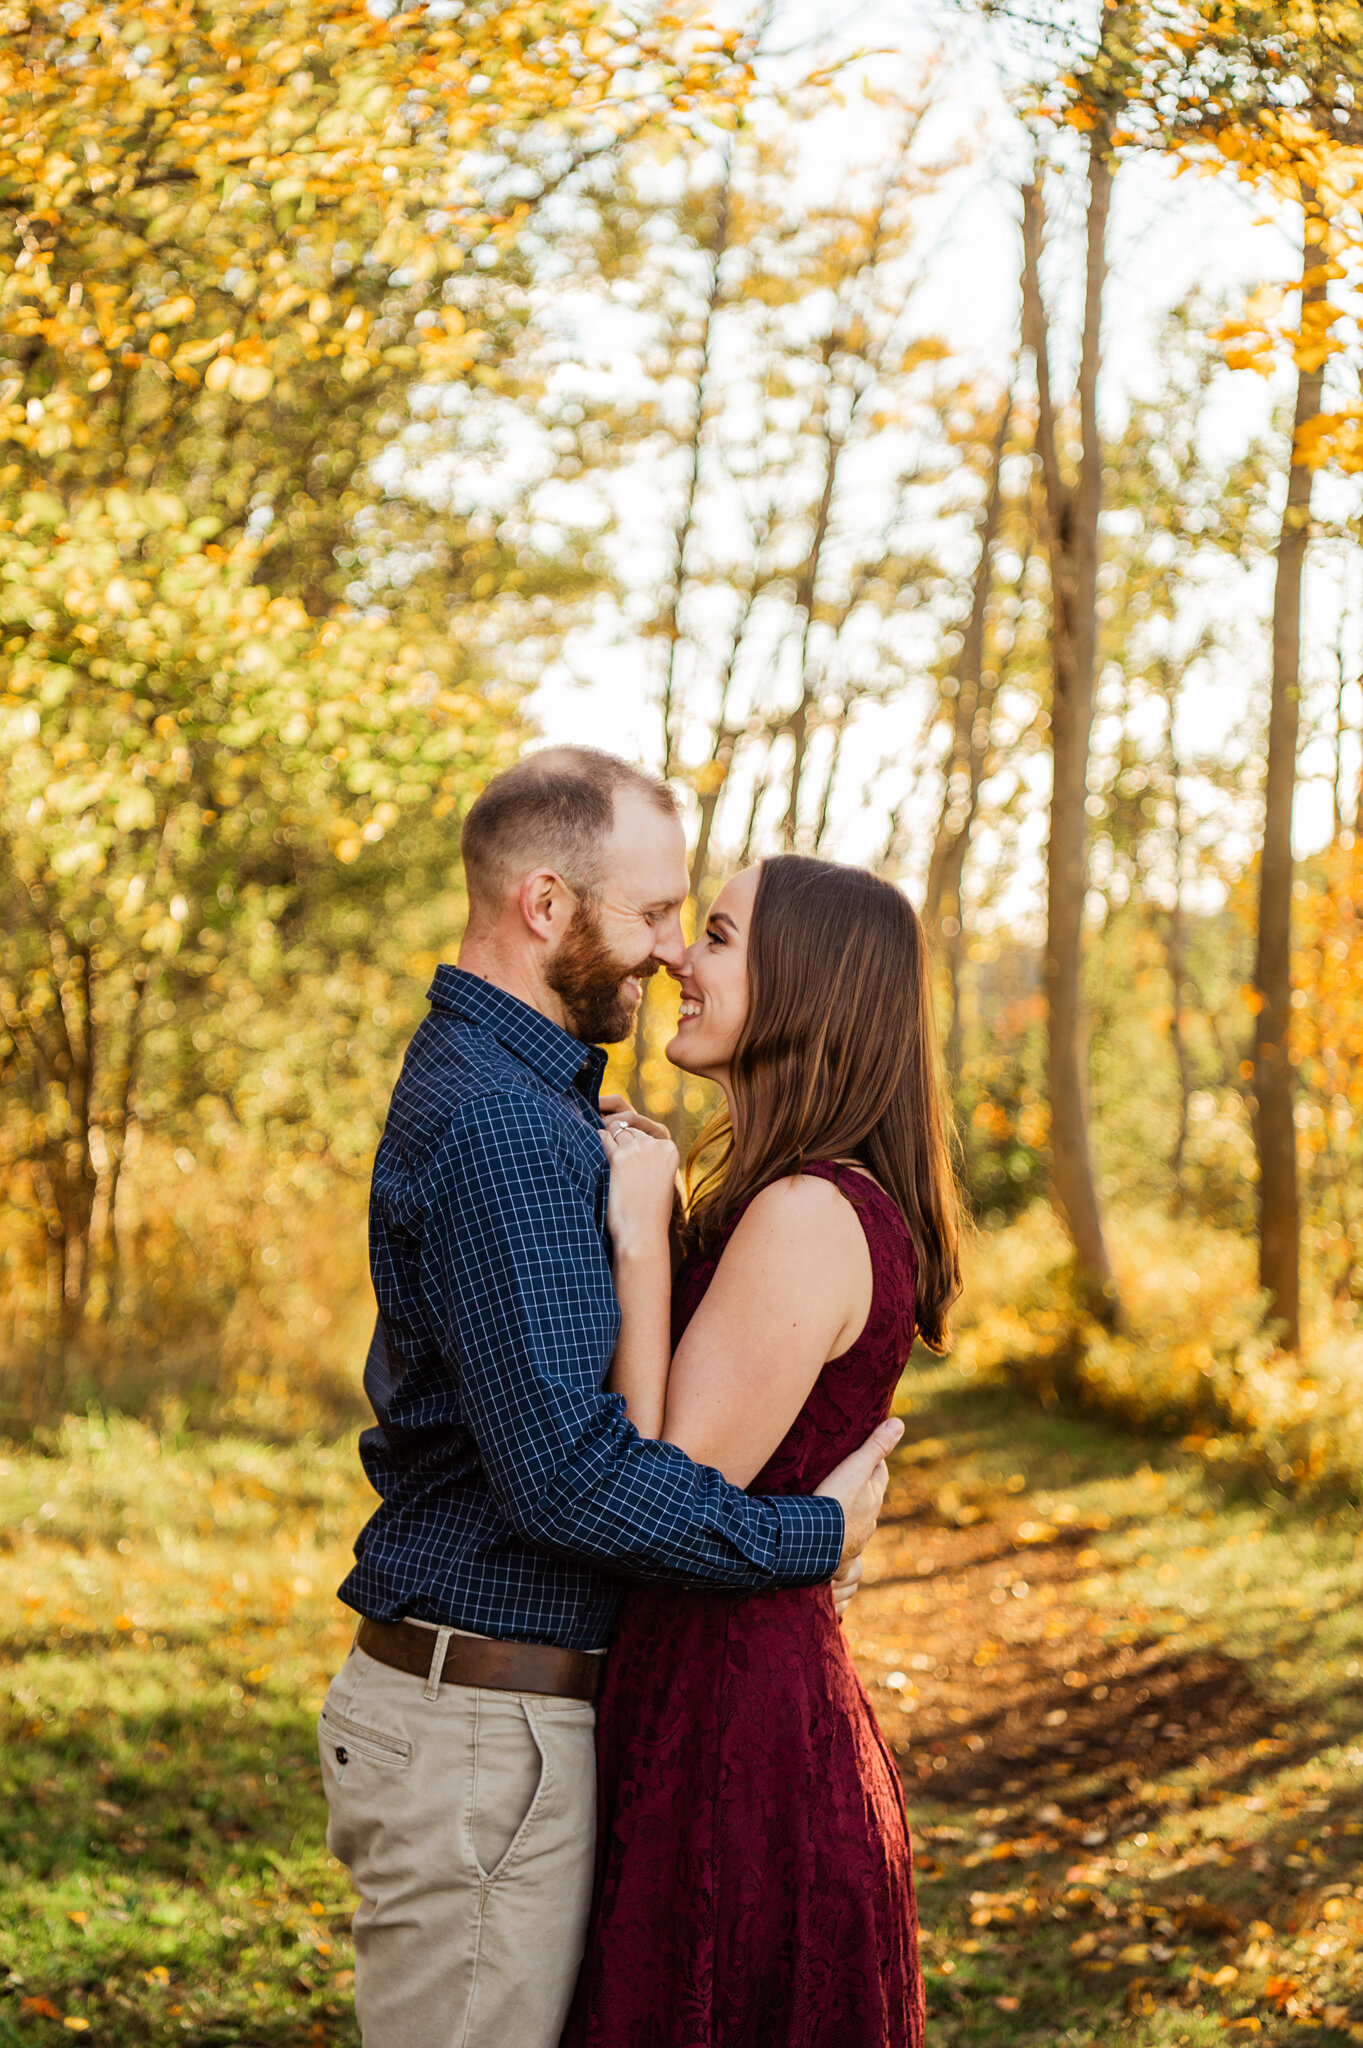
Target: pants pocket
{"x":346,"y":1737}
{"x":510,"y":1770}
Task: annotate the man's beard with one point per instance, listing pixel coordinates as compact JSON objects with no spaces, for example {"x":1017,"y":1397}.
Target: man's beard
{"x":586,"y":978}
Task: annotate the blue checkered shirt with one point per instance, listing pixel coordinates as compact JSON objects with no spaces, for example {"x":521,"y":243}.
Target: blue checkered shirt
{"x":513,"y":1488}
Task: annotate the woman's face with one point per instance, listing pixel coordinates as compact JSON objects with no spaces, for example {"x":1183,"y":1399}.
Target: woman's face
{"x":714,"y":984}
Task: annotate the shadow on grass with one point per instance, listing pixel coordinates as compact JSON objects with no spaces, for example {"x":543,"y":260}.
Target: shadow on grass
{"x":159,"y":1791}
{"x":165,"y":1881}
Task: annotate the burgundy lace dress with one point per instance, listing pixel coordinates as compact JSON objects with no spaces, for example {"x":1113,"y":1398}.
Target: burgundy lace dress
{"x":754,"y":1882}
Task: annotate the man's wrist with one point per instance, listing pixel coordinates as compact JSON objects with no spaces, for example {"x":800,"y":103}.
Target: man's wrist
{"x":813,"y":1531}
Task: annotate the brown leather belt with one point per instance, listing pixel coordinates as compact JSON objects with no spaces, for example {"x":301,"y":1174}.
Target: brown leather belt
{"x":479,"y":1660}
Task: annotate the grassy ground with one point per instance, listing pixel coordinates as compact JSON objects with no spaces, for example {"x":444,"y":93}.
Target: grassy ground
{"x":171,"y":1626}
{"x":1128,"y":1709}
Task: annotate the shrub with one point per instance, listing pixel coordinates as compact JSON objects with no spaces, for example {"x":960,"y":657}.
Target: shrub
{"x":245,"y":1301}
{"x":1193,"y":1356}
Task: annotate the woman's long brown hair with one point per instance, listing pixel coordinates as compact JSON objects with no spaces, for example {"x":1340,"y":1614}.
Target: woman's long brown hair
{"x":836,"y":1060}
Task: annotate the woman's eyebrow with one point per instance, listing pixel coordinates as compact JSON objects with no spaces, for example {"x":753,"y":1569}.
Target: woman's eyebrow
{"x":722,"y":917}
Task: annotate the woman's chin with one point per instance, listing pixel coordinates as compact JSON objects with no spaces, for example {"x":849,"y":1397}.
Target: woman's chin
{"x":675,"y":1051}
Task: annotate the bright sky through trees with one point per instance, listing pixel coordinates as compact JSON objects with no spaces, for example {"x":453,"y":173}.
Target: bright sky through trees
{"x":1171,"y":235}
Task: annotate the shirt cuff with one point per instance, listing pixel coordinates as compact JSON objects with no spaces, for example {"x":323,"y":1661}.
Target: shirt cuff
{"x":811,"y":1538}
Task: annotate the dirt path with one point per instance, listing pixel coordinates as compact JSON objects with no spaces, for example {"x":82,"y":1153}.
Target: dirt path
{"x":1124,"y":1737}
{"x":1009,"y":1684}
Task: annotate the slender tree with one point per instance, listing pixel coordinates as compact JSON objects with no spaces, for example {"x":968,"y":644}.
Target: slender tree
{"x":1071,"y":514}
{"x":1275,"y":93}
{"x":1275,"y":1132}
{"x":972,"y":707}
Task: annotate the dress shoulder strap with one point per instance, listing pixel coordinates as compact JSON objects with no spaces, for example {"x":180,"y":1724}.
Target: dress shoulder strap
{"x":887,"y":1234}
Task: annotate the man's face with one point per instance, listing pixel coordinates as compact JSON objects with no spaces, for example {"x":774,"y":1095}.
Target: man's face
{"x":632,"y":928}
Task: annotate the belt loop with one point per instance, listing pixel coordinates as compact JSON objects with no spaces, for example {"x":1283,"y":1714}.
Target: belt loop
{"x":437,"y":1670}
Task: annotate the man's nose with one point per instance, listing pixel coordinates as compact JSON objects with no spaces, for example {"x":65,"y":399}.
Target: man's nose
{"x":678,"y":972}
{"x":669,"y":943}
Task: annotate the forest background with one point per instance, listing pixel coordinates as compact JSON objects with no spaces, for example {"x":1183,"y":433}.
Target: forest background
{"x":368,"y":377}
{"x":933,"y":438}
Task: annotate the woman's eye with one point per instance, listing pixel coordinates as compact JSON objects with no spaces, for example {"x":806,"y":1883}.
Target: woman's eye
{"x":715,"y":937}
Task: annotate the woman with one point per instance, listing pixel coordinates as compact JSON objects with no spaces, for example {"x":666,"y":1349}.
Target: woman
{"x":754,"y":1885}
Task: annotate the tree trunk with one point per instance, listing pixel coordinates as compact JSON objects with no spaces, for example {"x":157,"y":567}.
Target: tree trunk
{"x":1178,"y":1039}
{"x":805,"y":585}
{"x":761,"y":788}
{"x":953,"y":953}
{"x":1275,"y":1131}
{"x":56,"y":1055}
{"x":116,"y":1128}
{"x":1072,"y":522}
{"x":839,"y":730}
{"x":832,"y":433}
{"x":1341,"y":689}
{"x":960,"y":792}
{"x":713,"y":779}
{"x":669,"y":624}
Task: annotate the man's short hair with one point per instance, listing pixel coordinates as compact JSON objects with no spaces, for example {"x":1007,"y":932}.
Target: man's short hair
{"x":554,"y":810}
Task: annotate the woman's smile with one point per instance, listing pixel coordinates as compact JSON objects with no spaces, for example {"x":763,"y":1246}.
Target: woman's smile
{"x":714,"y":984}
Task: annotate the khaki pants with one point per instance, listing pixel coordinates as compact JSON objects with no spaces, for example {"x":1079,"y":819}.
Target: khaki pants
{"x":467,"y":1819}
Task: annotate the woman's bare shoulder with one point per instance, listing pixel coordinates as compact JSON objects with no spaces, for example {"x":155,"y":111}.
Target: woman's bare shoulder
{"x":803,"y":1214}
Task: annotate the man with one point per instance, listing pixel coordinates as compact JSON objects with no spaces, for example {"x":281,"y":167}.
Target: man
{"x":457,"y":1742}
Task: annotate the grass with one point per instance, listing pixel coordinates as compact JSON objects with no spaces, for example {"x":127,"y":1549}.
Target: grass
{"x":1126,"y":1702}
{"x":163,"y":1873}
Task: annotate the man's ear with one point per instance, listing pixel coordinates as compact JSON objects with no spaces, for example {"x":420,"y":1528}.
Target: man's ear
{"x":546,"y":903}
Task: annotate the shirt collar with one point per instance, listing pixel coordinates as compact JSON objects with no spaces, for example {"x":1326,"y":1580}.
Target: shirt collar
{"x":549,"y":1051}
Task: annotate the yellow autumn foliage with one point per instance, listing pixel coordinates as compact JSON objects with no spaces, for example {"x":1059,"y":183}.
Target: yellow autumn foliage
{"x":199,"y":200}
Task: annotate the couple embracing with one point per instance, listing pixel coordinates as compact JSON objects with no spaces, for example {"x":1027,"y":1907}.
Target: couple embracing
{"x":599,"y":1761}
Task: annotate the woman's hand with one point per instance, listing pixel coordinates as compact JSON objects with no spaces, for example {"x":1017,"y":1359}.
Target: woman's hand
{"x":643,"y":1186}
{"x":618,"y":1112}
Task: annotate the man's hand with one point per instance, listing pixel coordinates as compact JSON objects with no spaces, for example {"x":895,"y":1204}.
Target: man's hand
{"x":845,"y":1582}
{"x":858,"y":1485}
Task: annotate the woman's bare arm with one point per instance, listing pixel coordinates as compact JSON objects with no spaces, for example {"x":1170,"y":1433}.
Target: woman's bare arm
{"x":792,"y":1290}
{"x":639,"y":1369}
{"x":639,"y":1218}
